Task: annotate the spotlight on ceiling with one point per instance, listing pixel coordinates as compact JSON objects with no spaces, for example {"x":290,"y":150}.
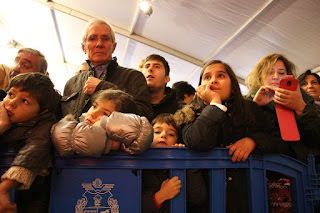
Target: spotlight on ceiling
{"x":145,"y":7}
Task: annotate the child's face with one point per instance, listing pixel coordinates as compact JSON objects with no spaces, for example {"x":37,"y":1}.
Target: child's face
{"x":165,"y":135}
{"x":218,"y":80}
{"x":98,"y":109}
{"x":20,"y":105}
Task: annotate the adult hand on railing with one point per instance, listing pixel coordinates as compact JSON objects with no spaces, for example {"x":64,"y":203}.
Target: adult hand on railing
{"x":169,"y":189}
{"x":241,"y":149}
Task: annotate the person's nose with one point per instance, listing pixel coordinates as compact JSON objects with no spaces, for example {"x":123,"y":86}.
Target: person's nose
{"x":12,"y":103}
{"x":94,"y":113}
{"x":163,"y":134}
{"x":309,"y":85}
{"x":15,"y":70}
{"x":99,"y":43}
{"x":150,"y":69}
{"x":213,"y":80}
{"x":275,"y":75}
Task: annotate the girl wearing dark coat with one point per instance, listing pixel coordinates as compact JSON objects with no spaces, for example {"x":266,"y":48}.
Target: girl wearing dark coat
{"x":220,"y":117}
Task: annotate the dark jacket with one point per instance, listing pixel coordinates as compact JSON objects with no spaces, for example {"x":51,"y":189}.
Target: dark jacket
{"x":308,"y":124}
{"x":31,"y":140}
{"x":168,"y":104}
{"x":212,"y":127}
{"x":75,"y":102}
{"x":197,"y":190}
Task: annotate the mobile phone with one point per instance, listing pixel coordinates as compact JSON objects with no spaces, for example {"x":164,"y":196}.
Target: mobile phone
{"x":289,"y":83}
{"x":286,"y":119}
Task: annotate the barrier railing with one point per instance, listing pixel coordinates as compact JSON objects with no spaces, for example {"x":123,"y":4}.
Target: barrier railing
{"x":112,"y":183}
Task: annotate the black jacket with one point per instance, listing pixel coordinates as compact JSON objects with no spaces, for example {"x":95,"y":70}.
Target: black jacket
{"x":308,"y":124}
{"x":168,"y":104}
{"x":75,"y":102}
{"x":212,"y":128}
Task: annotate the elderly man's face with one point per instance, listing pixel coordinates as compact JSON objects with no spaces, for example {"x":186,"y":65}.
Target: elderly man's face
{"x":98,"y":46}
{"x":24,"y":62}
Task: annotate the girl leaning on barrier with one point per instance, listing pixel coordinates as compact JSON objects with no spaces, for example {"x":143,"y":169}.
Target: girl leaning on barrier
{"x":220,"y":117}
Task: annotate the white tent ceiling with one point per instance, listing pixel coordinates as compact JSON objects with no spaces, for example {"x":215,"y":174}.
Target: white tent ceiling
{"x":187,"y":33}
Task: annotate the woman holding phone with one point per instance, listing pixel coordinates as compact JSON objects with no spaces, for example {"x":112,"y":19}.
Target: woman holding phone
{"x":263,"y":83}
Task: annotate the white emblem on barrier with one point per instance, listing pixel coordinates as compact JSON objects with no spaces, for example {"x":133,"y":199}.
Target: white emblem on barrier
{"x":97,"y":199}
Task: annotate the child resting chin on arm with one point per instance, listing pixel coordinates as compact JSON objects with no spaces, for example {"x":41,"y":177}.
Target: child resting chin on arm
{"x":26,"y":117}
{"x":108,"y":124}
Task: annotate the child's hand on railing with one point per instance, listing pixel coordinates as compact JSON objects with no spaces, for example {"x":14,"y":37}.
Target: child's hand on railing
{"x":178,"y":145}
{"x":241,"y":149}
{"x":169,"y":189}
{"x":5,"y":204}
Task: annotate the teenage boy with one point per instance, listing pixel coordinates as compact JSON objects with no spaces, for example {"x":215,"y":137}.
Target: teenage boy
{"x":156,"y":71}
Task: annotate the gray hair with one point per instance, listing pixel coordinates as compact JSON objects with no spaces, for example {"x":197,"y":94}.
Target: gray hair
{"x":97,"y":21}
{"x":42,"y":63}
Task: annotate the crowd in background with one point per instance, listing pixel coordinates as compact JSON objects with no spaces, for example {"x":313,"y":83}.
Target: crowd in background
{"x":106,"y":107}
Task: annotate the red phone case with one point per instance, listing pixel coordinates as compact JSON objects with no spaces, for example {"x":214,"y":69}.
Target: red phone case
{"x":287,"y":121}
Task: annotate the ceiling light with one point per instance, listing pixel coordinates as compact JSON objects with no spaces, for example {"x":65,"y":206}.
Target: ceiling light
{"x":145,"y":7}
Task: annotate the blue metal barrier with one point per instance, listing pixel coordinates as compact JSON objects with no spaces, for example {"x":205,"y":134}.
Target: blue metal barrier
{"x":112,"y":183}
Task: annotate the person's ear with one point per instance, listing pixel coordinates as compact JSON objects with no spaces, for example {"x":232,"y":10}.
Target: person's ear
{"x":114,"y":46}
{"x":83,"y":48}
{"x":167,"y":79}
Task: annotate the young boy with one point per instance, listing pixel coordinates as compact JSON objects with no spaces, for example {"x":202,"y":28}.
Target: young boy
{"x":157,"y":188}
{"x":26,"y":117}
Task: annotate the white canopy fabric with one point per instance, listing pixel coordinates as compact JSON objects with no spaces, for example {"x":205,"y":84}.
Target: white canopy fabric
{"x":187,"y":33}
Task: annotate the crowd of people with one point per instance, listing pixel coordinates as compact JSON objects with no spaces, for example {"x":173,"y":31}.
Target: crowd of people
{"x":105,"y":107}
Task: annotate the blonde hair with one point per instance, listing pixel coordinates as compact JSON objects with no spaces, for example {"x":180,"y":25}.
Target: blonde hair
{"x":258,"y":74}
{"x":141,"y":64}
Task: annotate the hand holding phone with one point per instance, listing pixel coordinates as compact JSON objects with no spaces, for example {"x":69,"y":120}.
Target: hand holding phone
{"x":286,"y":118}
